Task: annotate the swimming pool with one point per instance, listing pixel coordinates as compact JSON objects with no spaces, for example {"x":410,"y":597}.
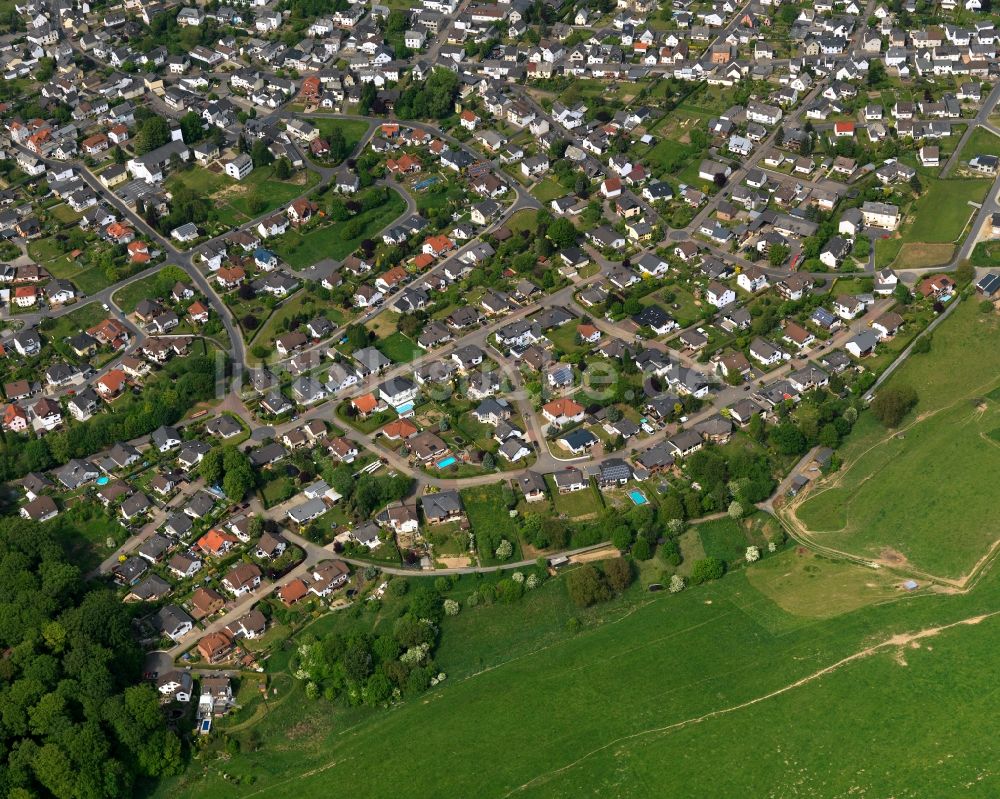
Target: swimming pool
{"x":945,"y":297}
{"x":637,"y":497}
{"x":406,"y":407}
{"x":103,"y":481}
{"x":444,"y":464}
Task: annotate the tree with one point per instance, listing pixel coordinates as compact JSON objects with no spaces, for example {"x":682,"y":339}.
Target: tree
{"x":777,"y":254}
{"x":282,"y":169}
{"x":504,"y":550}
{"x":787,"y":439}
{"x":735,"y":510}
{"x":752,"y":554}
{"x":891,"y":404}
{"x":211,"y":468}
{"x":260,"y":154}
{"x":707,"y":569}
{"x":239,"y":475}
{"x":618,"y":572}
{"x":192,"y":127}
{"x":585,"y":586}
{"x":154,"y":132}
{"x":562,"y":232}
{"x":676,"y":584}
{"x":915,"y":185}
{"x":451,"y":607}
{"x":965,"y":272}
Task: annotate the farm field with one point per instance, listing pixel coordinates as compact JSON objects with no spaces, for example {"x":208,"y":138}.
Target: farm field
{"x":628,"y":689}
{"x":922,"y":496}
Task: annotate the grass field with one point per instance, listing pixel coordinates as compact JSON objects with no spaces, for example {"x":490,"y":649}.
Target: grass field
{"x":578,"y":504}
{"x":914,"y":256}
{"x":490,"y":521}
{"x":76,"y":320}
{"x":294,"y":305}
{"x":980,"y":142}
{"x":235,"y":200}
{"x":727,"y":539}
{"x":304,"y":249}
{"x":351,"y":129}
{"x":942,"y":211}
{"x":548,"y":190}
{"x":922,"y":497}
{"x":916,"y":497}
{"x":886,"y":251}
{"x":656,"y":693}
{"x":398,"y":348}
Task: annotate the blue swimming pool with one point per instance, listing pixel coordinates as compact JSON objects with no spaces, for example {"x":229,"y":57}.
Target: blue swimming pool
{"x":637,"y":497}
{"x":945,"y":297}
{"x":103,"y":481}
{"x":446,"y":462}
{"x":406,"y":407}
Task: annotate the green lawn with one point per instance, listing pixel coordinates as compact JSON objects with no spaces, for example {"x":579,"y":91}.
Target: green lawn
{"x":301,"y":249}
{"x":727,"y":539}
{"x":564,"y":338}
{"x":942,"y":211}
{"x":201,"y":181}
{"x":352,"y":130}
{"x":153,"y":287}
{"x":886,"y":251}
{"x":261,"y":183}
{"x":72,"y":323}
{"x":526,"y":219}
{"x":548,"y":190}
{"x":980,"y":142}
{"x":301,"y":301}
{"x":44,"y":249}
{"x":585,"y":503}
{"x":925,"y":496}
{"x":490,"y":521}
{"x":653,"y":696}
{"x":398,"y":348}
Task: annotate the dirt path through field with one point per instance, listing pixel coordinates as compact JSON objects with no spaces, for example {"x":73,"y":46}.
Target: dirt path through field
{"x":899,"y":641}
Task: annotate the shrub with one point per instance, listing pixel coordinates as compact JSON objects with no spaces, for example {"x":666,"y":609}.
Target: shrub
{"x":618,"y":573}
{"x":707,"y":569}
{"x":892,"y":404}
{"x":586,"y":586}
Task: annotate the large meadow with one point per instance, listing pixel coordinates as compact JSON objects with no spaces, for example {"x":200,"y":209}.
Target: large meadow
{"x":921,"y":496}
